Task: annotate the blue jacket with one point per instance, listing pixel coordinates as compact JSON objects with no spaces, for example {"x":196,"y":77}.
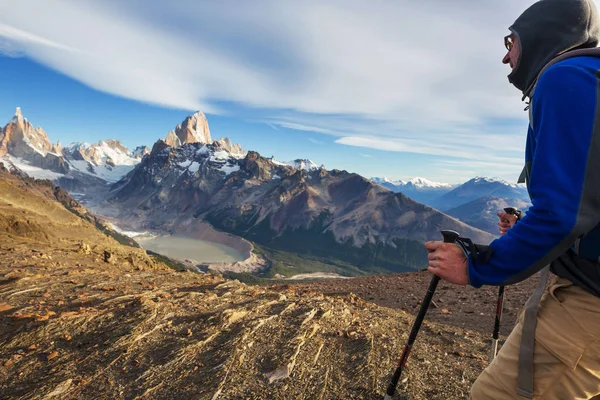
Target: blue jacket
{"x":563,"y":164}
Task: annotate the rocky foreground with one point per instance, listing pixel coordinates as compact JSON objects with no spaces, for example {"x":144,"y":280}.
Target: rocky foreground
{"x":84,"y":317}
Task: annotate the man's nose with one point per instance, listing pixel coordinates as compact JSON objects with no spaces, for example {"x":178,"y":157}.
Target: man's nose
{"x":506,"y":58}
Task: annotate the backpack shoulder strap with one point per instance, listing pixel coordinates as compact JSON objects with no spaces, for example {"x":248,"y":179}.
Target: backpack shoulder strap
{"x":590,"y":52}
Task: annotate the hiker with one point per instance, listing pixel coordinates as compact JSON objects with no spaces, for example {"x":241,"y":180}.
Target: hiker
{"x":554,"y":350}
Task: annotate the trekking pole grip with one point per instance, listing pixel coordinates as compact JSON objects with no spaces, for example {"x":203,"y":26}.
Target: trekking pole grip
{"x":449,"y":237}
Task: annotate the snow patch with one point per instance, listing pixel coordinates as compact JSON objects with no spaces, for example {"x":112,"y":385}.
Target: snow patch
{"x":32,"y":146}
{"x":304,"y":164}
{"x":184,"y":164}
{"x":228,"y":169}
{"x":202,"y":150}
{"x":108,"y":173}
{"x":119,"y":157}
{"x":131,"y":234}
{"x":194,"y":167}
{"x":32,"y":171}
{"x":219,"y":155}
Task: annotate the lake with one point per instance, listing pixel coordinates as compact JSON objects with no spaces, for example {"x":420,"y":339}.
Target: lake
{"x":199,"y":251}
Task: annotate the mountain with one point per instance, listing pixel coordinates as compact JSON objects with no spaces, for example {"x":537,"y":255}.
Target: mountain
{"x":477,"y":188}
{"x":21,"y":140}
{"x":78,"y":166}
{"x":333,"y":215}
{"x":194,"y":129}
{"x":481,"y":213}
{"x":303,"y":164}
{"x":419,"y":189}
{"x":140,"y":151}
{"x":107,"y":159}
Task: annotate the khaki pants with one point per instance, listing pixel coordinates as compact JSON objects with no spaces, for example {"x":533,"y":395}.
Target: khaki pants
{"x":566,"y":353}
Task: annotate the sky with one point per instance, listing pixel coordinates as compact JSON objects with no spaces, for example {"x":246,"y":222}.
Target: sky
{"x":384,"y":88}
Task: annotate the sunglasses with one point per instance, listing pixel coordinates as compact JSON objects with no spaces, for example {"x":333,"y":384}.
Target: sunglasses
{"x":508,"y":42}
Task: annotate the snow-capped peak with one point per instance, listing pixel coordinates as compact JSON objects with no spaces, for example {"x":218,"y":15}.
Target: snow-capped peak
{"x":304,"y":164}
{"x":140,"y":151}
{"x":385,"y":179}
{"x":484,"y":179}
{"x":423,"y":183}
{"x":108,"y":159}
{"x":417,"y":182}
{"x":77,"y":146}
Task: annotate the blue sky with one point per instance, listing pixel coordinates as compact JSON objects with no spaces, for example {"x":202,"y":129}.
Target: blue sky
{"x":397,"y":89}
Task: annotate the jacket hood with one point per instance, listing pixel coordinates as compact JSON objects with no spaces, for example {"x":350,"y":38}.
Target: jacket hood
{"x":547,"y":29}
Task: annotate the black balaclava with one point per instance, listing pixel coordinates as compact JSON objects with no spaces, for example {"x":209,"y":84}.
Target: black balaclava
{"x":547,"y":29}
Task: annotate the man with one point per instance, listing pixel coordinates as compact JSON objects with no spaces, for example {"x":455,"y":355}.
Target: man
{"x":554,"y":350}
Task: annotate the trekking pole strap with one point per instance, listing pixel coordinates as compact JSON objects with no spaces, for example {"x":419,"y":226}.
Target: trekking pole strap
{"x":478,"y":252}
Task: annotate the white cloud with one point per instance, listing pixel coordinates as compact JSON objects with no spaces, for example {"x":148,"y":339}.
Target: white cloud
{"x":400,"y":75}
{"x":12,"y":35}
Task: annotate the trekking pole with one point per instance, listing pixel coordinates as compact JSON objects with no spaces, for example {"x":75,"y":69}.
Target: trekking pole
{"x":500,"y":303}
{"x":495,"y":335}
{"x":449,"y":237}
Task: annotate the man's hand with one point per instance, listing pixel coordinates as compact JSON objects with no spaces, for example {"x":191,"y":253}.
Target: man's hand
{"x":447,"y":261}
{"x":507,"y":221}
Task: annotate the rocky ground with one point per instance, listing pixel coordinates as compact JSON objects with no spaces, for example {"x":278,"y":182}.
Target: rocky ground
{"x":84,"y":317}
{"x":115,"y":332}
{"x":460,"y":306}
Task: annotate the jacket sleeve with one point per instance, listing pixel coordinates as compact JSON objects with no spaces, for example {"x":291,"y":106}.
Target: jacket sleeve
{"x":564,"y":183}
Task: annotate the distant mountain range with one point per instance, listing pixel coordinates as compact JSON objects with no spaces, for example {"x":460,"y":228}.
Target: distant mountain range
{"x":444,"y":196}
{"x":474,"y":202}
{"x":477,"y":188}
{"x":418,"y":189}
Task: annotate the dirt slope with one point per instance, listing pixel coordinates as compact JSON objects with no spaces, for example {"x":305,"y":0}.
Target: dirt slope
{"x":83,"y":317}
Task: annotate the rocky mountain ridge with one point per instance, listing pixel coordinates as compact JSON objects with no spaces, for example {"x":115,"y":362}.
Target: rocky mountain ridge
{"x":82,"y":166}
{"x":330,"y":214}
{"x":20,"y":139}
{"x":76,"y":166}
{"x":194,"y":129}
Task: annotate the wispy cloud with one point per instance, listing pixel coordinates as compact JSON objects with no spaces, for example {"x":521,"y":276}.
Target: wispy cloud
{"x":382,"y":75}
{"x":366,"y":155}
{"x":14,"y":37}
{"x":315,"y":141}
